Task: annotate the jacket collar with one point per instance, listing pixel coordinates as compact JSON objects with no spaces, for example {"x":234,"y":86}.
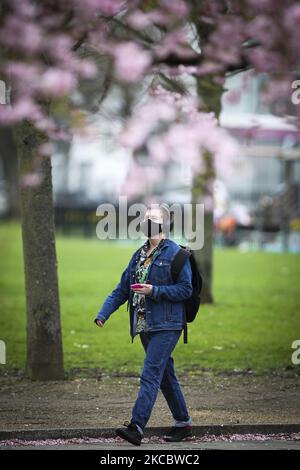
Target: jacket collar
{"x":166,"y":244}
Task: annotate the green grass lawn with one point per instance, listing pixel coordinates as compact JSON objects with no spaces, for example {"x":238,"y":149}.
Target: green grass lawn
{"x":254,"y":320}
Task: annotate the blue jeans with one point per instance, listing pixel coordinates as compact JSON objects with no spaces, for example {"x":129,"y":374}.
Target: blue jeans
{"x":158,"y":372}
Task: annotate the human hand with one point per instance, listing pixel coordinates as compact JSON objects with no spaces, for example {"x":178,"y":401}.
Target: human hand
{"x":146,"y":289}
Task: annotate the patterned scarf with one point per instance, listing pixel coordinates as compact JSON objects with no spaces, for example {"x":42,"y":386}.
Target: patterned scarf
{"x":141,"y":274}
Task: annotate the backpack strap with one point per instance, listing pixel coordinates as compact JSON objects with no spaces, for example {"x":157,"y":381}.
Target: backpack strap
{"x":178,"y":262}
{"x":185,"y":333}
{"x":177,"y":265}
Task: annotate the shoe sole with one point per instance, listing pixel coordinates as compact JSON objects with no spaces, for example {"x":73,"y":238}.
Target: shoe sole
{"x":123,"y":435}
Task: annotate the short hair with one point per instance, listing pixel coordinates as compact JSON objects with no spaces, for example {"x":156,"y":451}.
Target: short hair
{"x":168,"y":219}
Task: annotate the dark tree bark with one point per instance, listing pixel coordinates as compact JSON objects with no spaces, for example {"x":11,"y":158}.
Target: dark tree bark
{"x":202,"y":193}
{"x":8,"y":155}
{"x":44,"y":340}
{"x":210,"y":94}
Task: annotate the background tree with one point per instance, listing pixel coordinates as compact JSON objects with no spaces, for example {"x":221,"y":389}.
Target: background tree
{"x":42,"y":59}
{"x":9,"y":158}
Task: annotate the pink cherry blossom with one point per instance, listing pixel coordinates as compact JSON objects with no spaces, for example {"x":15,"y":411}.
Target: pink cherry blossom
{"x":292,"y":17}
{"x":18,"y":33}
{"x":264,"y":30}
{"x":158,"y":150}
{"x":263,"y":5}
{"x":232,"y":96}
{"x":39,"y":59}
{"x":131,"y":61}
{"x":175,"y":42}
{"x":139,"y":20}
{"x":108,"y":7}
{"x":22,"y":109}
{"x":179,"y":8}
{"x":188,"y":135}
{"x":57,"y":82}
{"x":30,"y":180}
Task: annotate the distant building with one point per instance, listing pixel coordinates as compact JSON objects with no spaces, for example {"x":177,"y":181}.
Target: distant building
{"x":264,"y":179}
{"x":267,"y":141}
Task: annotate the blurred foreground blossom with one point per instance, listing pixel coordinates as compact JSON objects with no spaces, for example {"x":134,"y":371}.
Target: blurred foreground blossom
{"x":57,"y":82}
{"x":131,"y":61}
{"x":186,"y":136}
{"x":30,"y":180}
{"x":48,"y":48}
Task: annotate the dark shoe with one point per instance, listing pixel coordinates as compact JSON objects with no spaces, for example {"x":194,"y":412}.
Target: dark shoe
{"x":130,"y":433}
{"x":176,"y":433}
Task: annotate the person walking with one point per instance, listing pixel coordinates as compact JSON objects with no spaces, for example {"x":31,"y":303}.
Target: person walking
{"x":156,"y":307}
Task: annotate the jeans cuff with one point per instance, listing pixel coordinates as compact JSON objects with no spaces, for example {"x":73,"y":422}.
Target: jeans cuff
{"x":140,"y":429}
{"x":182,"y":424}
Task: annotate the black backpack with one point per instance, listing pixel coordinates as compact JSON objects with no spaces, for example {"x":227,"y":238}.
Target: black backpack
{"x":192,"y":304}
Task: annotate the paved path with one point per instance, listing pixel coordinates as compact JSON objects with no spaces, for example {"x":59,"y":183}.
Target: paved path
{"x":105,"y":401}
{"x":168,"y":448}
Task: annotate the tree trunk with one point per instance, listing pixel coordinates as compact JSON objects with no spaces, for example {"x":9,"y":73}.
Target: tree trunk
{"x":202,"y":191}
{"x":44,"y":340}
{"x":8,"y":155}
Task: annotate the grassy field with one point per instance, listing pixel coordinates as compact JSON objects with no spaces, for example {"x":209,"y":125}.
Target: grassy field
{"x":254,"y":320}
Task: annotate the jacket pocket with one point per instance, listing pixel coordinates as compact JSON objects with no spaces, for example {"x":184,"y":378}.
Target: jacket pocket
{"x":175,"y":312}
{"x":156,"y":313}
{"x":160,"y":271}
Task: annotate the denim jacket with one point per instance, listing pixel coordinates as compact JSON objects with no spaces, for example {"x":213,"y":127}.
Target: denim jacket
{"x":164,"y":306}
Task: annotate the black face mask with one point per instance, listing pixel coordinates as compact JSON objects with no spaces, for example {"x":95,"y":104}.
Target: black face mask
{"x":150,"y":228}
